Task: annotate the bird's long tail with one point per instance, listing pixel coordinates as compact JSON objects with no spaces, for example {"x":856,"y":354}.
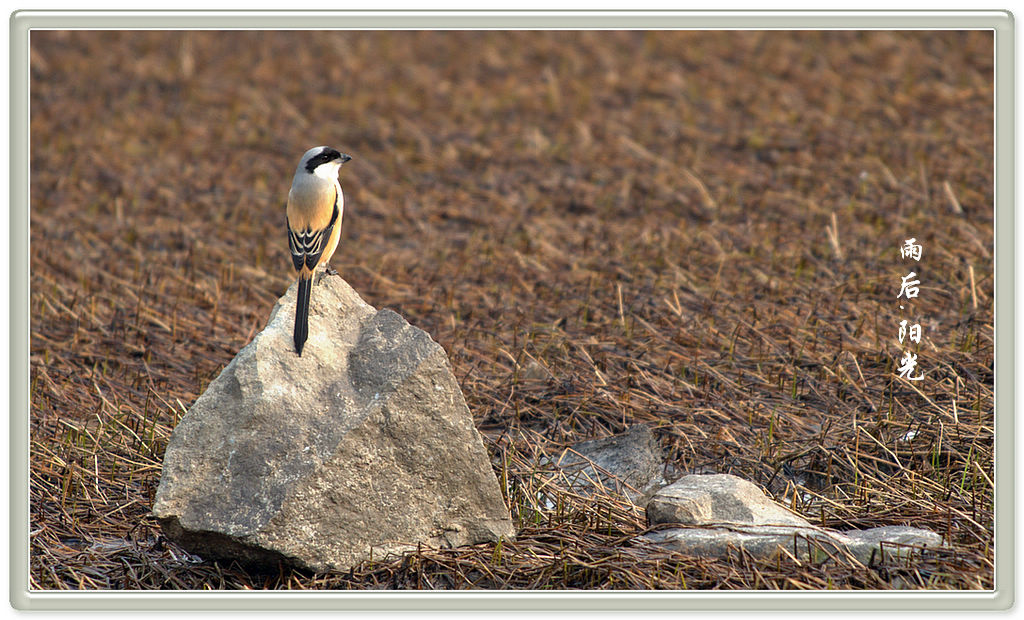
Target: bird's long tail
{"x":302,"y":312}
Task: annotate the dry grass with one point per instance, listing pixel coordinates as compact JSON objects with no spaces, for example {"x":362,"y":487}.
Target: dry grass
{"x":695,"y":230}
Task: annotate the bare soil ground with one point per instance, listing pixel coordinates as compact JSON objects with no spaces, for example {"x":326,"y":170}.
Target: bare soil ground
{"x":695,"y":230}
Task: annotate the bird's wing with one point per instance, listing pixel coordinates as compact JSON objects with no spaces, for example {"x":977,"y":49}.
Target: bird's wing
{"x":307,"y":243}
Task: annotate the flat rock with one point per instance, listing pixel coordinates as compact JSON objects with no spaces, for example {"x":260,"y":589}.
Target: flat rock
{"x":362,"y":447}
{"x":894,"y":540}
{"x":718,"y":512}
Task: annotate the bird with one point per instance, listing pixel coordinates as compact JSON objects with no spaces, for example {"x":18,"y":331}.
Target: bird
{"x":313,"y":216}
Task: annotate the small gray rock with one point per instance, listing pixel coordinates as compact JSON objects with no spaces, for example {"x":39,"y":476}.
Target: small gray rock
{"x":718,"y":499}
{"x":534,"y":371}
{"x":361,"y":447}
{"x":628,"y":463}
{"x":717,"y":512}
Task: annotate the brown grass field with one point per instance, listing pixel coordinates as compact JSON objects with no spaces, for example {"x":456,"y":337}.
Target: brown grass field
{"x":695,"y":230}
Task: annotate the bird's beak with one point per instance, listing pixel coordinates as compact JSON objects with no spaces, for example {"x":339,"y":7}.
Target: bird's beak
{"x":345,"y":158}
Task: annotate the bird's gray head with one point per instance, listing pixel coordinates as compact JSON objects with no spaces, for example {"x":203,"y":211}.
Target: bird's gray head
{"x":322,"y":161}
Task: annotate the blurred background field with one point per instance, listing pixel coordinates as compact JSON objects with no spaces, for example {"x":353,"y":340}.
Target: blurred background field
{"x":695,"y":230}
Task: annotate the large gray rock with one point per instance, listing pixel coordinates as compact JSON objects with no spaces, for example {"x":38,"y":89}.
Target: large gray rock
{"x":362,"y":447}
{"x":713,"y":513}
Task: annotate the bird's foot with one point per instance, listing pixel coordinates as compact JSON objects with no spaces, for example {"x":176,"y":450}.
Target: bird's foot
{"x":328,"y":271}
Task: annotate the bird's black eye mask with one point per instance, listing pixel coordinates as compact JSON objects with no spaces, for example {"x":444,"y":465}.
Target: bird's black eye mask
{"x":322,"y":158}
